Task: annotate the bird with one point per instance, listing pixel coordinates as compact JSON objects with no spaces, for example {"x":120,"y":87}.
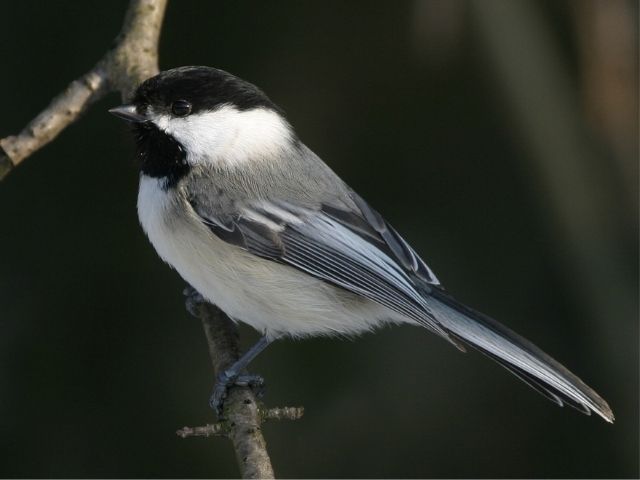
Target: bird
{"x":252,"y":219}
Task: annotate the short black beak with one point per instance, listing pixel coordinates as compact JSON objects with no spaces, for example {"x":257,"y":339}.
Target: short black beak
{"x":128,"y":113}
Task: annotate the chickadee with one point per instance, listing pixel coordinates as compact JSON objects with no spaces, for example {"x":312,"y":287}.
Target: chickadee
{"x":261,"y":227}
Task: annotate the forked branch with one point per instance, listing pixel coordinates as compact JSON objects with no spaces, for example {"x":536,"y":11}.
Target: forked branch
{"x":132,"y":59}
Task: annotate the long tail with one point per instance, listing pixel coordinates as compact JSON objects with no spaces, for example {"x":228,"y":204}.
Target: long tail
{"x":516,"y":354}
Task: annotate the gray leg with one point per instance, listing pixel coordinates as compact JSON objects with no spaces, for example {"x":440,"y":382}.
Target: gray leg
{"x":233,"y":376}
{"x":193,"y":300}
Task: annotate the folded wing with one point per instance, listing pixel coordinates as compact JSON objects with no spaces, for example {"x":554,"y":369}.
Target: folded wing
{"x":355,"y":249}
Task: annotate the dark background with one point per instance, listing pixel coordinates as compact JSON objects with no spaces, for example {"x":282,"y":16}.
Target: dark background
{"x":500,"y":137}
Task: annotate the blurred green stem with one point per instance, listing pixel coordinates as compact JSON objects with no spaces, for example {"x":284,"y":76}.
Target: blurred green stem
{"x":577,"y":192}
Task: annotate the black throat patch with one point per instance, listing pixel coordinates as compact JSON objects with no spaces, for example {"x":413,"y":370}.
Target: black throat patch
{"x":160,"y":155}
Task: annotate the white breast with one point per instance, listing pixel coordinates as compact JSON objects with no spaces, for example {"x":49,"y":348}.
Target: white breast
{"x":273,"y":298}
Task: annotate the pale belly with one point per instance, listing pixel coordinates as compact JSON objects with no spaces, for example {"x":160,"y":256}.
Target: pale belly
{"x":274,"y":299}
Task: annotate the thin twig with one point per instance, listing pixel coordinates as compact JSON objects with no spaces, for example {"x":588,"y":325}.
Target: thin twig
{"x":210,"y":430}
{"x":133,"y":59}
{"x":222,"y":428}
{"x":65,"y":109}
{"x":284,"y":413}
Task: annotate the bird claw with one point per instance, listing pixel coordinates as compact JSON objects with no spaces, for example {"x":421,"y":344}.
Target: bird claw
{"x":193,"y":300}
{"x":226,"y":380}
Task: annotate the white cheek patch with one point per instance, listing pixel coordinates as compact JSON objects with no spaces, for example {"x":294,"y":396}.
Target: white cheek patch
{"x":228,"y":135}
{"x":161,"y":121}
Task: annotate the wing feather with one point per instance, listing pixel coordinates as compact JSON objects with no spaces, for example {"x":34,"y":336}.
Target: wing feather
{"x":335,"y":245}
{"x":355,"y":249}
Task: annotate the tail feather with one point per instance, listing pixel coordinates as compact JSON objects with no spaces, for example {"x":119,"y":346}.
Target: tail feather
{"x":516,"y":354}
{"x":556,"y":396}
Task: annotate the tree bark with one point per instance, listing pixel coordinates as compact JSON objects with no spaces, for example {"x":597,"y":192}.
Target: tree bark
{"x":241,"y":407}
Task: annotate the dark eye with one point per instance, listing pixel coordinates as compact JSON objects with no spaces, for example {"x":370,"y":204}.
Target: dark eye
{"x":181,"y":108}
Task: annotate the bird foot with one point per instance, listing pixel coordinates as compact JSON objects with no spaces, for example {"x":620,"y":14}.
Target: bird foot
{"x":193,"y":300}
{"x":227,"y":380}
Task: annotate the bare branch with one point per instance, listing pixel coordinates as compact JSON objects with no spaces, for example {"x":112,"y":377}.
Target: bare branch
{"x":284,"y":413}
{"x":135,"y":55}
{"x":134,"y":58}
{"x":210,"y":430}
{"x":241,"y":415}
{"x":222,"y":428}
{"x":65,"y":109}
